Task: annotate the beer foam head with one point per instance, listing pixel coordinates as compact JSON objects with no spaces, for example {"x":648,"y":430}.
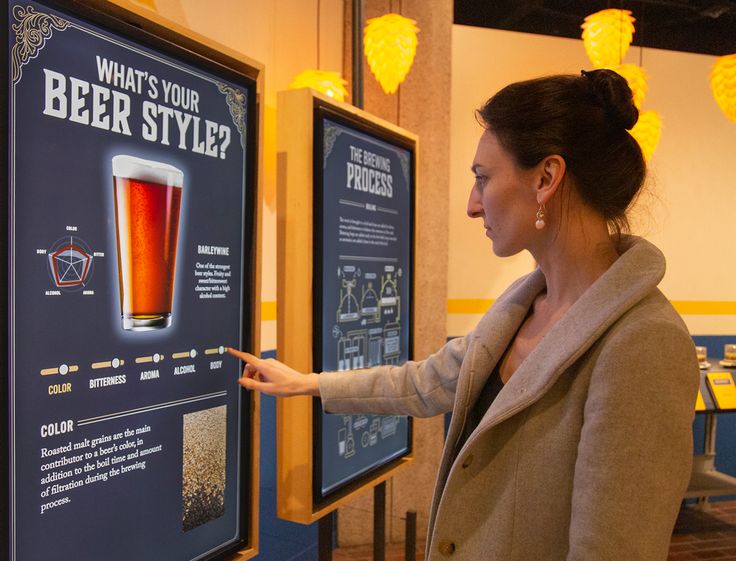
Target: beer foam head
{"x":146,"y":170}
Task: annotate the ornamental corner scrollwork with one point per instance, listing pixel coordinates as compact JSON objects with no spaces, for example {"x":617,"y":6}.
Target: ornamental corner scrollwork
{"x":404,"y":161}
{"x":237,"y":102}
{"x":32,"y":30}
{"x":331,"y":132}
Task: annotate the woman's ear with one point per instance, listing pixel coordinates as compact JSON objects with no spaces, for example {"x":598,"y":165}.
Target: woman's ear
{"x":551,"y":176}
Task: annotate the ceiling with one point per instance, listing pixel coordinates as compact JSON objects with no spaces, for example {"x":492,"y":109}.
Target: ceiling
{"x":696,"y":26}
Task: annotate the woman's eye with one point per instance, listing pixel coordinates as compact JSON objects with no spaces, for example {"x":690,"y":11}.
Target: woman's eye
{"x":480,"y":180}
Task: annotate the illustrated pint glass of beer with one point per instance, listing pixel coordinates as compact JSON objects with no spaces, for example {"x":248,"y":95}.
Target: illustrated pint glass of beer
{"x":147,"y":202}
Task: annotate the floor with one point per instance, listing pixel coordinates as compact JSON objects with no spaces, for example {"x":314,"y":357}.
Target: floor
{"x":698,"y":536}
{"x":705,"y":536}
{"x":394,"y":552}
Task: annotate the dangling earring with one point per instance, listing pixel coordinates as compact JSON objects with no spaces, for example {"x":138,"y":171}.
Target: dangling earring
{"x":541,"y":213}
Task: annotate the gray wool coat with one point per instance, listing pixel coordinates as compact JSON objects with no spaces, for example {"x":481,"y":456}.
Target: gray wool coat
{"x":585,"y":453}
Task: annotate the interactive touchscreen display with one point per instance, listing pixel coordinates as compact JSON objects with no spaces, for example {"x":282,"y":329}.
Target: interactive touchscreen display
{"x":130,"y":173}
{"x":364,"y":201}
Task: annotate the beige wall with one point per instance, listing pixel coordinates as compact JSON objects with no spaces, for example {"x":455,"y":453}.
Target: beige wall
{"x":688,"y":211}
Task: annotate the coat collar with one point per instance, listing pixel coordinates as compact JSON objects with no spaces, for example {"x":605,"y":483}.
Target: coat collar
{"x":632,"y":277}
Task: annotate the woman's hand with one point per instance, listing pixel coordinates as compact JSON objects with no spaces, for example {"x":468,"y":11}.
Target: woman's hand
{"x":273,"y":377}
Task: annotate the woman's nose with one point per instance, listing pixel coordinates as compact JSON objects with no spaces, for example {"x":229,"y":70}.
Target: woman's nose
{"x":475,"y":208}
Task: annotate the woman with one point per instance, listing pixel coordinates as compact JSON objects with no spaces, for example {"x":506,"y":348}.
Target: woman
{"x":573,"y":398}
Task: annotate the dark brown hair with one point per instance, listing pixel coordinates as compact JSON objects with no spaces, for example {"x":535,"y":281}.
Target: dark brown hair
{"x":582,"y":118}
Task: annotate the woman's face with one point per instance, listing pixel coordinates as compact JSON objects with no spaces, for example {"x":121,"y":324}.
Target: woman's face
{"x":504,"y":196}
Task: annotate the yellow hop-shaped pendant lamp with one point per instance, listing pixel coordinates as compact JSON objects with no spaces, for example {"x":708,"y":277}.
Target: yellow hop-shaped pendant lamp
{"x":329,"y":83}
{"x":647,"y":132}
{"x":607,"y":35}
{"x":390,"y":43}
{"x":723,"y":84}
{"x":637,"y":79}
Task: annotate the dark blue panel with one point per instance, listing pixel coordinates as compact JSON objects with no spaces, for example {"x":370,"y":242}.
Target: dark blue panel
{"x":364,"y":206}
{"x":125,"y":443}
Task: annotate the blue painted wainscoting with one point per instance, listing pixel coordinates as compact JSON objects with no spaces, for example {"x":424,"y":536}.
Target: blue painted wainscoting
{"x":279,"y":540}
{"x":726,"y":422}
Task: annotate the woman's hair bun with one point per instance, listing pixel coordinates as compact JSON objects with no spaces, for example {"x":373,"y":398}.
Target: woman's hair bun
{"x":612,"y":91}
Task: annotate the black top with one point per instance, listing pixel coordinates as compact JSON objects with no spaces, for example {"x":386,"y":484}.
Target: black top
{"x":489,"y":392}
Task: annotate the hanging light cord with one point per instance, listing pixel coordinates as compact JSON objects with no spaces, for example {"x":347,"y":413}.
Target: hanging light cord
{"x":641,"y":38}
{"x":398,"y":90}
{"x":620,"y":33}
{"x":318,"y":34}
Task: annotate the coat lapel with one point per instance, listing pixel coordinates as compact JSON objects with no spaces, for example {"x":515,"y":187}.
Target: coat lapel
{"x":488,"y":343}
{"x":633,"y":276}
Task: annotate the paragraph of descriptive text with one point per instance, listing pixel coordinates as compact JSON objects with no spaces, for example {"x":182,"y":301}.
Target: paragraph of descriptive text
{"x":68,"y":468}
{"x":365,"y":232}
{"x":213,"y":280}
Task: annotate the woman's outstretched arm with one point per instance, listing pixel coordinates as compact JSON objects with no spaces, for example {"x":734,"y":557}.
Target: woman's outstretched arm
{"x":273,"y":377}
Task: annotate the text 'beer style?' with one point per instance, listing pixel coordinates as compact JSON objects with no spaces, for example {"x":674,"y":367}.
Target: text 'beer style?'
{"x":147,"y":203}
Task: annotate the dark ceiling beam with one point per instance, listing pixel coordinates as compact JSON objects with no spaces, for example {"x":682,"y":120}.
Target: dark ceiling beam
{"x":697,"y":26}
{"x":706,"y":8}
{"x":521,"y":11}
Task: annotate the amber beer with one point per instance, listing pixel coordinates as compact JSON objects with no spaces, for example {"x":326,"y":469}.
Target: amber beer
{"x":147,"y":202}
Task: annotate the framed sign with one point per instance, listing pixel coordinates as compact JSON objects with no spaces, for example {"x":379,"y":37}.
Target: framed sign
{"x":347,"y":191}
{"x":131,"y":210}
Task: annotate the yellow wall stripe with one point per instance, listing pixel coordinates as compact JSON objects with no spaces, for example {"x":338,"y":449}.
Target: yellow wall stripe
{"x":268,"y":311}
{"x":704,"y":308}
{"x":468,"y":305}
{"x":684,"y":307}
{"x":481,"y":305}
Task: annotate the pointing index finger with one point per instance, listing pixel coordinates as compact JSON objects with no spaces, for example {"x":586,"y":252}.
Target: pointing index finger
{"x":247,"y":357}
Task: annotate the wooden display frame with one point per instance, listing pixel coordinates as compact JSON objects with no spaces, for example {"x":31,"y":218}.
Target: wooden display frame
{"x":147,"y":25}
{"x":295,"y":177}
